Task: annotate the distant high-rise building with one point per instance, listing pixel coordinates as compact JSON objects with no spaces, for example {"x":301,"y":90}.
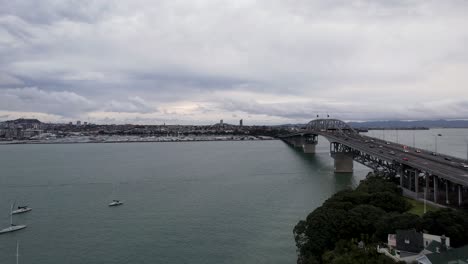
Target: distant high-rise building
{"x":221,"y":122}
{"x":78,"y":123}
{"x":85,"y":123}
{"x":71,"y":123}
{"x":241,"y":123}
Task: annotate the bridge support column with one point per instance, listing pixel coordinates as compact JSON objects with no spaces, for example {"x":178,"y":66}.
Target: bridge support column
{"x":342,"y":156}
{"x":343,"y":162}
{"x":447,"y":192}
{"x":410,"y":180}
{"x":309,"y":148}
{"x":426,"y":188}
{"x":309,"y":144}
{"x":416,"y":183}
{"x":460,"y":200}
{"x":436,"y":187}
{"x":298,"y":142}
{"x":400,"y":172}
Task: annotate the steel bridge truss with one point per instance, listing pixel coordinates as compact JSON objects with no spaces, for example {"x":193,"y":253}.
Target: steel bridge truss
{"x":326,"y":125}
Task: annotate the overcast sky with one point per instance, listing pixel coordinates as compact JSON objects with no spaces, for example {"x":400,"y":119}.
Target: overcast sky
{"x":267,"y":62}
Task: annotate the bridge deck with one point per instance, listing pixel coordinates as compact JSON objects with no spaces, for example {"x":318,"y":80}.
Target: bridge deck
{"x":451,"y":170}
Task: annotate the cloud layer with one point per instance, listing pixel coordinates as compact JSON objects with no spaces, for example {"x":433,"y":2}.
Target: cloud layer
{"x":264,"y":61}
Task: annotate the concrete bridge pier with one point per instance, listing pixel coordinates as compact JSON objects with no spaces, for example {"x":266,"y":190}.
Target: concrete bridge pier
{"x":309,"y":148}
{"x":343,"y":158}
{"x":343,"y":162}
{"x":310,"y":142}
{"x":298,"y":141}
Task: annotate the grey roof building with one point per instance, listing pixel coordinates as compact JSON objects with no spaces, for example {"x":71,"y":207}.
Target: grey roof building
{"x":409,"y":241}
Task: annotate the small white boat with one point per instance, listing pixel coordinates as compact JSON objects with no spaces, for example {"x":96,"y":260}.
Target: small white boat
{"x":21,"y":209}
{"x":12,"y":226}
{"x":115,"y":203}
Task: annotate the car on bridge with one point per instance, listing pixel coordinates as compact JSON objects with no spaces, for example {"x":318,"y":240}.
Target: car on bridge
{"x":464,"y":165}
{"x":417,"y":151}
{"x":392,"y":152}
{"x":405,"y":159}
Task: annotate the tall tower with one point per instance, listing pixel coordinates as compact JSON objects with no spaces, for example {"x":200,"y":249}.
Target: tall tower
{"x":241,"y":123}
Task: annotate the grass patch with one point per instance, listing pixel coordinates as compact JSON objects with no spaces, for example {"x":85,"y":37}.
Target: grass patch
{"x":418,"y":207}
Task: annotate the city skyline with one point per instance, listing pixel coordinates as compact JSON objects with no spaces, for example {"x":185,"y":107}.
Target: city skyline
{"x":266,"y":62}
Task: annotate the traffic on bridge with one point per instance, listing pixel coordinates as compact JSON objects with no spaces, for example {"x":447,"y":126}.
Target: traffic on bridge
{"x":439,"y":178}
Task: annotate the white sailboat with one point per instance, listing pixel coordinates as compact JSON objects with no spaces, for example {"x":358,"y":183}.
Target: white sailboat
{"x":12,"y":226}
{"x":21,"y":209}
{"x":115,"y":202}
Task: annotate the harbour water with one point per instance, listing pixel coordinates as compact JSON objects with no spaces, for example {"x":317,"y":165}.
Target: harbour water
{"x":192,"y":202}
{"x":449,"y":141}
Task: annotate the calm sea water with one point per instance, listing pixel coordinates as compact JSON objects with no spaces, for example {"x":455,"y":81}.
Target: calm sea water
{"x":201,"y":202}
{"x":447,"y":141}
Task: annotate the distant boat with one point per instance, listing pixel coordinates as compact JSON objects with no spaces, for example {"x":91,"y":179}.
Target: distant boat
{"x":21,"y":209}
{"x":439,"y":135}
{"x":115,"y":203}
{"x":12,"y":226}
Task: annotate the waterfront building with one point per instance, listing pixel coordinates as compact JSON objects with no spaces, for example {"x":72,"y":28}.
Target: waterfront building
{"x":410,"y":246}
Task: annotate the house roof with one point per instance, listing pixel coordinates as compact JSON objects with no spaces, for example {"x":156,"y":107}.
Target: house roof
{"x":409,"y":240}
{"x":460,"y":255}
{"x":433,"y":246}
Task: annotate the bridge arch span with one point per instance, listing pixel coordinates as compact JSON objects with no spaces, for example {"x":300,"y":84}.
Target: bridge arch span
{"x":326,"y":125}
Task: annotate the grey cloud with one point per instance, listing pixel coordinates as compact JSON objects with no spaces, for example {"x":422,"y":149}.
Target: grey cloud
{"x":49,"y":11}
{"x":66,"y":103}
{"x":347,"y":57}
{"x":32,"y":99}
{"x":352,"y":111}
{"x":132,"y":105}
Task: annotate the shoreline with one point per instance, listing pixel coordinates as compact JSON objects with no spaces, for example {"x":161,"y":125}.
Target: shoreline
{"x":130,"y":141}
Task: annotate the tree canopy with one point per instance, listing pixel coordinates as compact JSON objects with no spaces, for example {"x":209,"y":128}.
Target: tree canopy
{"x":369,"y":213}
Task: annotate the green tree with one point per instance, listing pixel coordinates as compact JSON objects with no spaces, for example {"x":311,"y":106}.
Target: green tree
{"x":389,"y":223}
{"x":449,"y":222}
{"x":389,"y":202}
{"x":361,"y":220}
{"x":347,"y":252}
